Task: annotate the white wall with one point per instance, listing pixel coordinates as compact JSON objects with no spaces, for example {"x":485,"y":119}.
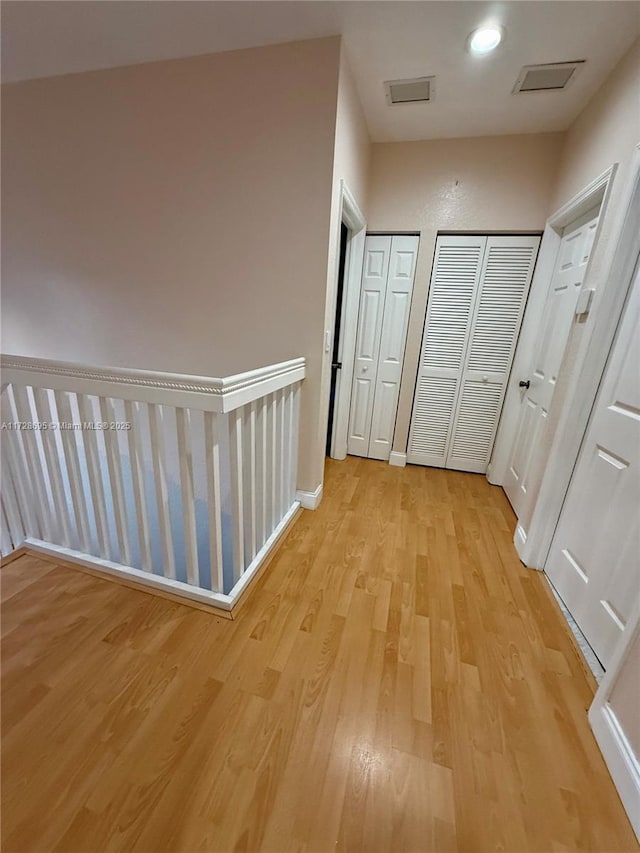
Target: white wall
{"x":174,"y":215}
{"x":500,"y":183}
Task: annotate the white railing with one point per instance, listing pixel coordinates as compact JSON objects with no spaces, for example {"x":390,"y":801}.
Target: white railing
{"x":179,"y":482}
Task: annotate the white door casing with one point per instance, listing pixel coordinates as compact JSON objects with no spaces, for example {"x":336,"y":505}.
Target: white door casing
{"x":594,"y":559}
{"x":570,"y":267}
{"x":387,"y":284}
{"x":478,"y":293}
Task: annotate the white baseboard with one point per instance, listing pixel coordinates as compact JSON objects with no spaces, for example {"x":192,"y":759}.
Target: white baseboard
{"x":310,"y":500}
{"x":398,"y":460}
{"x":520,"y":540}
{"x":620,"y":759}
{"x":495,"y":481}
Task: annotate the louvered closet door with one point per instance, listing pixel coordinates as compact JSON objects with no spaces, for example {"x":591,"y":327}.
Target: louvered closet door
{"x":454,"y":284}
{"x":504,"y":285}
{"x":478,"y":292}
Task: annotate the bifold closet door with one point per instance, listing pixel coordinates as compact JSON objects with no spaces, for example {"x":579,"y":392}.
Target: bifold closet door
{"x":478,"y":293}
{"x":385,"y":300}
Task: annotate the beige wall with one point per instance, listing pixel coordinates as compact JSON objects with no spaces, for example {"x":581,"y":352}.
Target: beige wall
{"x":605,"y":132}
{"x":352,"y":161}
{"x":174,"y":215}
{"x":500,"y":183}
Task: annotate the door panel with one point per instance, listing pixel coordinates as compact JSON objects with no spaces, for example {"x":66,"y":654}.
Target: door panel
{"x":454,"y":283}
{"x":402,"y":267}
{"x":593,"y":561}
{"x":571,"y":263}
{"x":374,"y":283}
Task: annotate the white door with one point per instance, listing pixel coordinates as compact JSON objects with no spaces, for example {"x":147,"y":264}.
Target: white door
{"x":387,"y":284}
{"x":594,"y":561}
{"x":402,"y":267}
{"x":571,"y":263}
{"x":374,"y":284}
{"x":478,"y":292}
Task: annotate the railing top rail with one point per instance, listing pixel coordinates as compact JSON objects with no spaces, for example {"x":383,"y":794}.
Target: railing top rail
{"x":176,"y":389}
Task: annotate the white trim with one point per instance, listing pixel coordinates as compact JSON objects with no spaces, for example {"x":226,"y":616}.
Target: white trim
{"x":618,"y":754}
{"x":520,"y":537}
{"x":310,"y":500}
{"x":597,"y":191}
{"x":183,"y":590}
{"x":352,"y":217}
{"x":398,"y":460}
{"x":151,"y":386}
{"x":609,"y":301}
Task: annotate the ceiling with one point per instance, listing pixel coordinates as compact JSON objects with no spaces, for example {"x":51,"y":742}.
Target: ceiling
{"x":383,"y":40}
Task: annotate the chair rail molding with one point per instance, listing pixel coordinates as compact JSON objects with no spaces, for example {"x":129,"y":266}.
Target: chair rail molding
{"x":212,"y":394}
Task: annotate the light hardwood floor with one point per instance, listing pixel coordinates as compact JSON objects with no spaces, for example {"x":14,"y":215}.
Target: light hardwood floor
{"x":396,"y":682}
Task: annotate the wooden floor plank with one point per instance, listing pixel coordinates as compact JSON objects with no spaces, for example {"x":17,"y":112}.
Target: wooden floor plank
{"x":396,"y":682}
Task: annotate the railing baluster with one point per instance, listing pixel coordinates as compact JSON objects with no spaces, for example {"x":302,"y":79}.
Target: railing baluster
{"x":185,"y":455}
{"x":96,"y":482}
{"x":24,"y":415}
{"x":70,"y":450}
{"x":288,"y":435}
{"x":114,"y":467}
{"x":136,"y":461}
{"x":250,"y":483}
{"x":273,"y":496}
{"x":162,"y":495}
{"x":6,"y":543}
{"x":237,"y":499}
{"x":212,"y":449}
{"x":263,"y":469}
{"x":11,"y":500}
{"x":14,"y":457}
{"x":282,"y":452}
{"x":295,"y":432}
{"x":61,"y":507}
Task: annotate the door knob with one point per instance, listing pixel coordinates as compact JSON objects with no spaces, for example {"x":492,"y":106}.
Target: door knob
{"x":524,"y":383}
{"x":365,"y":368}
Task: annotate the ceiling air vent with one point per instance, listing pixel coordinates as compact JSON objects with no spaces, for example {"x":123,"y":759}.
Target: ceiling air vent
{"x":544,"y":78}
{"x":417,"y":90}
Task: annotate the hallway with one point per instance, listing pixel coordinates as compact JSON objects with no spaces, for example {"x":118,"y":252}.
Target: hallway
{"x":397,"y":681}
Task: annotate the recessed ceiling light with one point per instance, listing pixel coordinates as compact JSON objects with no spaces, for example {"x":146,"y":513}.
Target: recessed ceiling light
{"x":485,"y":39}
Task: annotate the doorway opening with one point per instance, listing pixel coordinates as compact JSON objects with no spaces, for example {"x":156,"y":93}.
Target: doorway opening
{"x":336,"y":365}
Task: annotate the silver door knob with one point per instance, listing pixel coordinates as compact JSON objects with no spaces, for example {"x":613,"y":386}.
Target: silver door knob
{"x":365,"y":368}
